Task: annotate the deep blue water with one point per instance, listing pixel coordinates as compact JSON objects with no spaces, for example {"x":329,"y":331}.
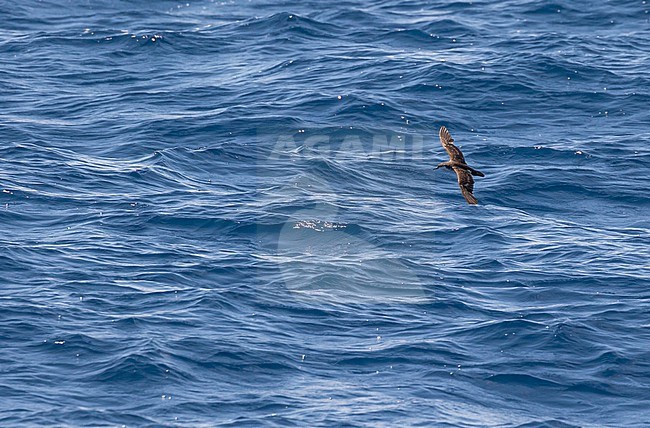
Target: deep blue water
{"x":225,"y":213}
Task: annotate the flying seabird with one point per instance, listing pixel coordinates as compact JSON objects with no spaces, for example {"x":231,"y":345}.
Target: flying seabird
{"x":456,"y":162}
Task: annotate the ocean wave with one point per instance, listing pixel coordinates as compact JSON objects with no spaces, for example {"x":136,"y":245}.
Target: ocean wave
{"x":228,"y":212}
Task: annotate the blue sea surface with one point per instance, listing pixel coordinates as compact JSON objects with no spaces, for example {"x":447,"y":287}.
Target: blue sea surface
{"x":227,"y":214}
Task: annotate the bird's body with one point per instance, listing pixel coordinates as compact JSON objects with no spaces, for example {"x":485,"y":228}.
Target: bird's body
{"x":457,"y":163}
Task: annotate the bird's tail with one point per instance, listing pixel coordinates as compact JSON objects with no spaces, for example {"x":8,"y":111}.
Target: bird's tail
{"x":475,"y":172}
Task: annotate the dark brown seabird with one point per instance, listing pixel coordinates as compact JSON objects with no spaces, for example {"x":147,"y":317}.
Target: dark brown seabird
{"x":456,"y":162}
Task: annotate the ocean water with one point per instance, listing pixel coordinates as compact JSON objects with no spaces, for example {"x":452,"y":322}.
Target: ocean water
{"x":226,"y":214}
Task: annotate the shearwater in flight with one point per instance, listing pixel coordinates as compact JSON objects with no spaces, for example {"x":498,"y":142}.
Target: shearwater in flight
{"x":456,"y":162}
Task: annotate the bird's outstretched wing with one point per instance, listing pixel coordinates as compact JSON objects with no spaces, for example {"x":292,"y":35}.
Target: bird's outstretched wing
{"x":466,"y":183}
{"x":455,"y":155}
